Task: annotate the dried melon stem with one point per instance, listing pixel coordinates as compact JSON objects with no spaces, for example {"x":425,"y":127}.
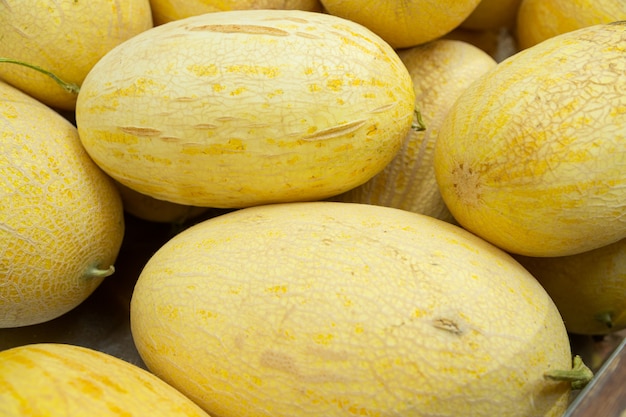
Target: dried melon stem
{"x":69,"y":87}
{"x":579,"y":376}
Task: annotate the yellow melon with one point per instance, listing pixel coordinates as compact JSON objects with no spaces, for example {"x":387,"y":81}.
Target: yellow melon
{"x":342,"y":309}
{"x":151,"y":209}
{"x":164,"y":11}
{"x":240,"y":108}
{"x":64,"y":37}
{"x":538,"y":20}
{"x":492,"y":14}
{"x":61,"y":218}
{"x":404,"y":23}
{"x":498,"y":43}
{"x":440,"y":70}
{"x":531,"y":156}
{"x":51,"y":379}
{"x":588,"y":288}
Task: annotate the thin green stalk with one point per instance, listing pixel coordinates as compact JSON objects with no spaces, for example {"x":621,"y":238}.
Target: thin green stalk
{"x":69,"y":87}
{"x":418,"y":124}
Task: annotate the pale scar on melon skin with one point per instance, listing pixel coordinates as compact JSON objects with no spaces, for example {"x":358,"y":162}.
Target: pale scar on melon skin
{"x":466,"y":182}
{"x":247,"y":29}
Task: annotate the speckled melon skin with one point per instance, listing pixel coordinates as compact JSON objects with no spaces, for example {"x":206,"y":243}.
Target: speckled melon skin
{"x":53,"y":379}
{"x":241,"y":108}
{"x":404,"y":23}
{"x":440,"y":70}
{"x":61,"y":217}
{"x":64,"y":37}
{"x":337,"y":309}
{"x":531,"y":156}
{"x":539,"y":20}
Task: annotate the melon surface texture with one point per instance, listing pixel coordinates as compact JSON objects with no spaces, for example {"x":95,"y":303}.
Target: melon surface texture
{"x":61,"y":217}
{"x":241,"y":108}
{"x":54,"y":379}
{"x":531,"y":156}
{"x":337,"y":309}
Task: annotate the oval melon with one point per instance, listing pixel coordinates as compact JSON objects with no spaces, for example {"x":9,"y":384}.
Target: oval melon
{"x":240,"y":108}
{"x":404,"y":23}
{"x":538,"y":20}
{"x":51,"y":379}
{"x":337,"y":309}
{"x":153,"y":210}
{"x":164,"y":11}
{"x":64,"y":37}
{"x":492,"y":14}
{"x":61,"y":217}
{"x":531,"y":156}
{"x":588,"y":288}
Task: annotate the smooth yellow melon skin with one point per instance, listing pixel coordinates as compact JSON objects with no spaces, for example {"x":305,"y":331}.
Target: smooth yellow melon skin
{"x":538,"y":20}
{"x":240,"y":108}
{"x":51,"y":380}
{"x":342,"y":309}
{"x":440,"y":70}
{"x":164,"y":11}
{"x":404,"y":23}
{"x":588,"y":288}
{"x":64,"y":37}
{"x":61,"y":217}
{"x":530,"y":157}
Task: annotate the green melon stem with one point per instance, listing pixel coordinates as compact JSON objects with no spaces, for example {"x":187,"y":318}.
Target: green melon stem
{"x":69,"y":87}
{"x":579,"y":376}
{"x":96,"y":272}
{"x":418,"y":123}
{"x":605,"y":318}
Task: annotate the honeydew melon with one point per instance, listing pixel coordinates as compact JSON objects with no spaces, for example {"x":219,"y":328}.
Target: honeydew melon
{"x":337,"y":309}
{"x":531,"y":156}
{"x":241,"y":108}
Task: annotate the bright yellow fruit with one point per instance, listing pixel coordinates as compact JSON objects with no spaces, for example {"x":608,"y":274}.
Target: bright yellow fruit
{"x":164,"y":11}
{"x":240,"y":108}
{"x":404,"y":23}
{"x":492,"y":14}
{"x":538,"y":20}
{"x":531,"y":156}
{"x":440,"y":70}
{"x":340,"y":309}
{"x":589,"y":288}
{"x":64,"y":37}
{"x":50,"y":379}
{"x":61,"y":218}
